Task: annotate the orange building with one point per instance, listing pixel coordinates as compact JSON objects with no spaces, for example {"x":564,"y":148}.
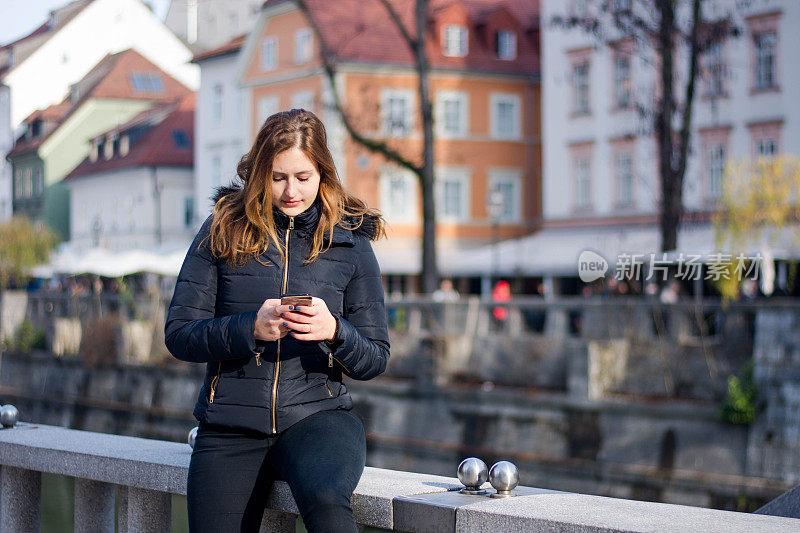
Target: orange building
{"x":484,"y":85}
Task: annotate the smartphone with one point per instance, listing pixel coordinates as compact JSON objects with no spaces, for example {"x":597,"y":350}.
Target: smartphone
{"x":296,"y":299}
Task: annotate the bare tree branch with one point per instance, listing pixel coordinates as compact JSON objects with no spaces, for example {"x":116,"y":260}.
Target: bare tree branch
{"x":423,"y":171}
{"x":694,"y":53}
{"x":395,"y":16}
{"x":329,"y":64}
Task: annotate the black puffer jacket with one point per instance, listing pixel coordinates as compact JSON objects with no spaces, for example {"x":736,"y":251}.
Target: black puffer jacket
{"x":211,"y":319}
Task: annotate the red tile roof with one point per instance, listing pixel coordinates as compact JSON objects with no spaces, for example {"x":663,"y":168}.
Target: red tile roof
{"x":234,"y":45}
{"x":110,"y":78}
{"x":361,"y":31}
{"x":117,"y":81}
{"x":157,"y":147}
{"x":54,"y":112}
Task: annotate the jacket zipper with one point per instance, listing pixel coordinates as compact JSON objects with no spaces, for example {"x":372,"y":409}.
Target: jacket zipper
{"x":329,"y":388}
{"x":214,"y":383}
{"x":278,"y":347}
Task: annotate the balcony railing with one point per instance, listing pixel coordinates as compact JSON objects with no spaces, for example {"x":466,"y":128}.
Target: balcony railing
{"x":144,"y":473}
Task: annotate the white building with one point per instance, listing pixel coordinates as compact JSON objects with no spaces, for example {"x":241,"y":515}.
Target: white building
{"x":221,"y":119}
{"x":600,"y":165}
{"x":73,"y":40}
{"x":135,"y":189}
{"x":206,"y":24}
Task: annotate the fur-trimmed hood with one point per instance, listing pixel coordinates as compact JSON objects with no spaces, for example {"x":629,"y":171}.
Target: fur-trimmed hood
{"x":368,"y":228}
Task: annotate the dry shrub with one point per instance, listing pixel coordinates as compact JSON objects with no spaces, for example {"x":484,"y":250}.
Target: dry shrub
{"x":99,"y":344}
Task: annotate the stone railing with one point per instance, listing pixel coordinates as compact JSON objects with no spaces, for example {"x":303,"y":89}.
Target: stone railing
{"x":144,"y":473}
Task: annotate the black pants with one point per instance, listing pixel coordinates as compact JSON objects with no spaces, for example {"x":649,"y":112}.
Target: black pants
{"x":230,"y":473}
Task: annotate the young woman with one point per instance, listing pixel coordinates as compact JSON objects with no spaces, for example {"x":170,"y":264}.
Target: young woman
{"x":273,"y":404}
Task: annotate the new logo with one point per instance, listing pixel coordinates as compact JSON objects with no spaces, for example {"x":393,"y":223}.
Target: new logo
{"x":591,"y":266}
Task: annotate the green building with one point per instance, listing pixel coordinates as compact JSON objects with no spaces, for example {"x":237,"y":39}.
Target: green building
{"x":55,"y":140}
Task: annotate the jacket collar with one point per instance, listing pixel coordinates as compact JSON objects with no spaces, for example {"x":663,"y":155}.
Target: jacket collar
{"x":306,"y":222}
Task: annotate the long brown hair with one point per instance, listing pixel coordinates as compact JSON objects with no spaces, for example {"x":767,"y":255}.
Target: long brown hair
{"x":243,"y":224}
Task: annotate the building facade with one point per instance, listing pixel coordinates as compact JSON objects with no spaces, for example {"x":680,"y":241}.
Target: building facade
{"x":600,"y":157}
{"x":485,"y":90}
{"x":55,"y":140}
{"x":61,"y":48}
{"x":207,"y":24}
{"x":221,"y":123}
{"x":135,"y":188}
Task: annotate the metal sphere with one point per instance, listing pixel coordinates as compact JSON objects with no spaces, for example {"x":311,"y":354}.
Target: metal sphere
{"x":8,"y":415}
{"x":472,"y":472}
{"x":192,"y":436}
{"x":504,"y":477}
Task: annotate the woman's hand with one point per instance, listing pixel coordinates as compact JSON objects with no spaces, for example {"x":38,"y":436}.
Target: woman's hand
{"x":269,"y":322}
{"x":311,"y":323}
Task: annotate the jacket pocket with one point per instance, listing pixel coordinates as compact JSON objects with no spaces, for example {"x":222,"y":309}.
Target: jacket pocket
{"x":250,"y":392}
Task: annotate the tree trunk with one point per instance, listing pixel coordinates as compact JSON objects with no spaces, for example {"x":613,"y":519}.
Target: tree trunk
{"x":430,"y":271}
{"x":670,"y":205}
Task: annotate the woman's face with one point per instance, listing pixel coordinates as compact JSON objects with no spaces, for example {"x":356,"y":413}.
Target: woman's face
{"x":295,"y":181}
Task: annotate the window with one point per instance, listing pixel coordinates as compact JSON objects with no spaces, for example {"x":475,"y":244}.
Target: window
{"x":580,"y":88}
{"x":583,"y":183}
{"x":188,"y":211}
{"x":146,"y":82}
{"x":454,"y":40}
{"x":216,"y":104}
{"x":714,"y":142}
{"x":624,"y":179}
{"x":27,"y":185}
{"x":269,"y":54}
{"x":451,"y":114}
{"x":181,"y":138}
{"x":766,"y":147}
{"x":37,"y":181}
{"x":622,"y":84}
{"x":766,"y":138}
{"x":18,"y":184}
{"x":302,"y":46}
{"x":715,"y":164}
{"x":398,"y":195}
{"x":509,"y":184}
{"x":303,"y":100}
{"x":506,"y":45}
{"x":124,"y":145}
{"x":267,"y":106}
{"x":452,"y":195}
{"x":505,"y":116}
{"x":620,"y":6}
{"x":397,"y":112}
{"x":580,"y":9}
{"x":764,"y":48}
{"x":715,"y":70}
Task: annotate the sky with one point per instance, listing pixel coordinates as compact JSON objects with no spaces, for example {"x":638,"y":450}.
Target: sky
{"x":20,"y":17}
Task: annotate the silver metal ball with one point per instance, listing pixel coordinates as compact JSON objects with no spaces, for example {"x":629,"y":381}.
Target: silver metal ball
{"x":472,"y":472}
{"x":192,"y":436}
{"x":504,"y":477}
{"x":8,"y":415}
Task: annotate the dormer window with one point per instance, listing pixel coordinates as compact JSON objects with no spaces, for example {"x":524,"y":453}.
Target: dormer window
{"x":506,"y":42}
{"x":108,"y":148}
{"x":454,"y":40}
{"x":146,"y":82}
{"x":36,"y":128}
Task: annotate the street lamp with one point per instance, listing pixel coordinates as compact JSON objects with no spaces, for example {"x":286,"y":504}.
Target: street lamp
{"x":494,"y":205}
